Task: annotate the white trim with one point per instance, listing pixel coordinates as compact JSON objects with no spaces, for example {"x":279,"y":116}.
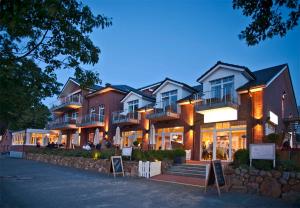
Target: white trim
{"x":277,"y":75}
{"x":129,"y":94}
{"x":150,"y":86}
{"x":224,"y":66}
{"x":164,"y":83}
{"x":66,"y":85}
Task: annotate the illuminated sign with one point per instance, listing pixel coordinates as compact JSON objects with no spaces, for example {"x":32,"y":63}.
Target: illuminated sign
{"x":273,"y":117}
{"x":219,"y":114}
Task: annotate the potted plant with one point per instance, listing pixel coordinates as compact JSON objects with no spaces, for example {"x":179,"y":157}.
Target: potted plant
{"x":179,"y":156}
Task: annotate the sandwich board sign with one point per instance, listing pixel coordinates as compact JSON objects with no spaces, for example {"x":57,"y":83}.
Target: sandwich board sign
{"x":216,"y":176}
{"x":117,"y":165}
{"x":265,"y":151}
{"x":127,"y":152}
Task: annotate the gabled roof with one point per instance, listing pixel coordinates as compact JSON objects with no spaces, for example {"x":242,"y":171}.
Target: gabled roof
{"x":263,"y":77}
{"x":120,"y":88}
{"x":93,"y":87}
{"x":150,"y":86}
{"x":141,"y":94}
{"x":198,"y":88}
{"x":189,"y":88}
{"x":219,"y":63}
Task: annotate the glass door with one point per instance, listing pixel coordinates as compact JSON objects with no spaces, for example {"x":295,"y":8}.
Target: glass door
{"x":222,"y":145}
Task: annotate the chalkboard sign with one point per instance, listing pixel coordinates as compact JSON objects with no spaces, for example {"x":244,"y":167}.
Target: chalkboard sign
{"x":216,"y":176}
{"x":117,"y":165}
{"x":219,"y":173}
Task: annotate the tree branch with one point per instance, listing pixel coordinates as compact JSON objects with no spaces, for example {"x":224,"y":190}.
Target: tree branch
{"x":33,"y":48}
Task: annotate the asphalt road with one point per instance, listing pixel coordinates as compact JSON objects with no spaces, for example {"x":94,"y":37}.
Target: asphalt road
{"x":31,"y":184}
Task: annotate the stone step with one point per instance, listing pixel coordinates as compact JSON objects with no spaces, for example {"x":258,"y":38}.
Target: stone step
{"x":187,"y":174}
{"x":183,"y":168}
{"x":187,"y":170}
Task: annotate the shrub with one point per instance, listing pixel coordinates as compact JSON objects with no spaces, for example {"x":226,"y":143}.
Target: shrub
{"x":136,"y":143}
{"x":241,"y":157}
{"x":273,"y":138}
{"x":179,"y":153}
{"x":288,"y":165}
{"x":263,"y":164}
{"x":106,"y":154}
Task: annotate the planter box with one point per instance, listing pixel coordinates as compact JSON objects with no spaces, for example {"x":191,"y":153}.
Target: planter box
{"x":149,"y":169}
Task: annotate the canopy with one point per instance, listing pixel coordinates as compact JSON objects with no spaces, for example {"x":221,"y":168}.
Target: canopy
{"x":97,"y":137}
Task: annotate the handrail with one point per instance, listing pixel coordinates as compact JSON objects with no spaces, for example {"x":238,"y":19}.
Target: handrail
{"x":163,"y":107}
{"x":89,"y":118}
{"x":213,"y":97}
{"x":122,"y":115}
{"x":63,"y":120}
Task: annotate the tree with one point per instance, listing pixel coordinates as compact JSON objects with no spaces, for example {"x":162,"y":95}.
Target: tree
{"x":37,"y":37}
{"x":269,"y":18}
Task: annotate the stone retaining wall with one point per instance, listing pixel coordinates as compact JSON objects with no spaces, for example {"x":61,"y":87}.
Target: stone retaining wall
{"x":285,"y":185}
{"x":102,"y":165}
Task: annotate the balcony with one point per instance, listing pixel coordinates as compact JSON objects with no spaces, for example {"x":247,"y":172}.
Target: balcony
{"x":216,"y":99}
{"x":217,"y":106}
{"x":125,"y":118}
{"x":63,"y":123}
{"x":163,"y":111}
{"x":90,"y":120}
{"x":67,"y":103}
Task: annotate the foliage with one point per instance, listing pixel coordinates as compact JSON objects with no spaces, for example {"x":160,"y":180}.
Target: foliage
{"x":107,"y":153}
{"x":37,"y":38}
{"x":273,"y":138}
{"x":136,"y":143}
{"x":241,"y":157}
{"x":269,"y":18}
{"x":263,"y":164}
{"x":153,"y":155}
{"x":288,"y":165}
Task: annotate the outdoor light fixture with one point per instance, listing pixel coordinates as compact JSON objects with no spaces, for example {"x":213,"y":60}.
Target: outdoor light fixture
{"x":105,"y":133}
{"x":192,"y":127}
{"x":147,"y":131}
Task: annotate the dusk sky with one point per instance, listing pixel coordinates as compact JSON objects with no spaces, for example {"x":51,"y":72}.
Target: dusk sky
{"x":151,"y":40}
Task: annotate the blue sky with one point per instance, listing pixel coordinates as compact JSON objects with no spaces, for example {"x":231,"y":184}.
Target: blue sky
{"x":151,"y":40}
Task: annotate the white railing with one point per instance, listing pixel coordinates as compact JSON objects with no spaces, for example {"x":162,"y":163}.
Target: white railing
{"x":71,"y":99}
{"x":90,"y":118}
{"x":215,"y":98}
{"x":163,"y":108}
{"x":125,"y":116}
{"x":62,"y":122}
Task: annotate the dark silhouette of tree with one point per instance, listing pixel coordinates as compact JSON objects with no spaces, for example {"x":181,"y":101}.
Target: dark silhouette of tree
{"x":269,"y":18}
{"x":38,"y":37}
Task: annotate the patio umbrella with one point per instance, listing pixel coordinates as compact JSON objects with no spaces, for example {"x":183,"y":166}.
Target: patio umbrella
{"x":163,"y":140}
{"x":97,"y":137}
{"x":76,"y":139}
{"x":59,"y":138}
{"x":45,"y":141}
{"x":152,"y":135}
{"x":117,"y":137}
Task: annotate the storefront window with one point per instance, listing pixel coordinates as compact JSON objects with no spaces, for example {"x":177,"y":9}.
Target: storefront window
{"x":130,"y":136}
{"x":222,"y":141}
{"x":169,"y":138}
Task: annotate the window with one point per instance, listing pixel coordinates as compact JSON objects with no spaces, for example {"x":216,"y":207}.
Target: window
{"x":101,"y":113}
{"x":133,"y":105}
{"x":169,"y":99}
{"x":74,"y":115}
{"x":92,"y":110}
{"x":222,"y":87}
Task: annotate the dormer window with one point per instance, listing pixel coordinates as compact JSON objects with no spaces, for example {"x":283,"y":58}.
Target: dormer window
{"x":222,"y":87}
{"x":133,"y":105}
{"x":169,"y":98}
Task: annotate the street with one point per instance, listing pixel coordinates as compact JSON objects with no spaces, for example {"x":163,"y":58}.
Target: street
{"x":31,"y":184}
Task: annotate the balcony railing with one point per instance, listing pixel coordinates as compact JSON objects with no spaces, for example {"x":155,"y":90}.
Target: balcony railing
{"x":68,"y":102}
{"x":222,"y":97}
{"x":91,"y":120}
{"x":125,"y":117}
{"x":63,"y":123}
{"x":164,"y":111}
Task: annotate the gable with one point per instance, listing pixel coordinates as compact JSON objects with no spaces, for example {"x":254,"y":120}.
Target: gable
{"x":70,"y":87}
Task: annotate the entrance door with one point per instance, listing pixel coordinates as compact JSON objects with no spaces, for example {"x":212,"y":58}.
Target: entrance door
{"x":222,"y":146}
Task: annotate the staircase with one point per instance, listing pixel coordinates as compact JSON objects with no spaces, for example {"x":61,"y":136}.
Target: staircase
{"x":186,"y":174}
{"x":188,"y":170}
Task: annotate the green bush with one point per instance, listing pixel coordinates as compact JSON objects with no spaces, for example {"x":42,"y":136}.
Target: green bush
{"x":288,"y":165}
{"x":263,"y":164}
{"x":106,"y":154}
{"x":179,"y":153}
{"x":135,"y":143}
{"x":272,"y":138}
{"x":241,"y":157}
